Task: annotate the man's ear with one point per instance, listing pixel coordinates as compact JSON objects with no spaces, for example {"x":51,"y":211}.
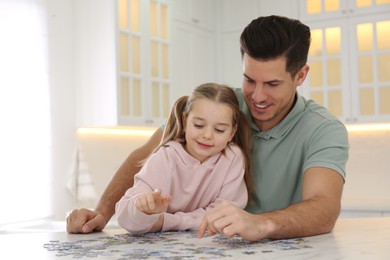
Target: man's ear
{"x":301,"y":75}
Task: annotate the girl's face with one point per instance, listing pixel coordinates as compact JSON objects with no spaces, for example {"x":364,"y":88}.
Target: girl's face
{"x":208,"y":128}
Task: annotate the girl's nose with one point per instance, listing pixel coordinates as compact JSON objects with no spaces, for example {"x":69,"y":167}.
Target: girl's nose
{"x":207,"y":133}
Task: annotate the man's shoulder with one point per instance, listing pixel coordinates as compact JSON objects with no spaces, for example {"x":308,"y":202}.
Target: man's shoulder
{"x":317,"y":120}
{"x":239,"y":95}
{"x":238,"y":91}
{"x":317,"y":113}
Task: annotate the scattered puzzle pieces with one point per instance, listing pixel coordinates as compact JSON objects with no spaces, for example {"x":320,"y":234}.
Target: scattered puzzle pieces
{"x":170,"y":245}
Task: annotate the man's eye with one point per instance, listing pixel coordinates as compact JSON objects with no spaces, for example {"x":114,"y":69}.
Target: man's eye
{"x":248,"y":80}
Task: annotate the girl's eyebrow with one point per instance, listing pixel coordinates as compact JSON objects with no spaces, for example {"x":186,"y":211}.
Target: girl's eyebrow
{"x":198,"y":118}
{"x":218,"y":124}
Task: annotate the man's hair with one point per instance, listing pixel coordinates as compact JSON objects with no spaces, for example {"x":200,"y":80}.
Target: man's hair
{"x":270,"y":37}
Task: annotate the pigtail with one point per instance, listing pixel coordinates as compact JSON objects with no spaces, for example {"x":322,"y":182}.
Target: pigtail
{"x":174,"y":128}
{"x":242,"y":139}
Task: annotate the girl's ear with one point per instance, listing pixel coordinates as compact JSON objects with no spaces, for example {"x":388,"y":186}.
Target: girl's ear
{"x":234,"y":130}
{"x":184,"y":121}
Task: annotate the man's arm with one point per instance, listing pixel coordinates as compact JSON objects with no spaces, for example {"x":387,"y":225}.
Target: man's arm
{"x":316,"y":214}
{"x":318,"y":211}
{"x":86,"y":221}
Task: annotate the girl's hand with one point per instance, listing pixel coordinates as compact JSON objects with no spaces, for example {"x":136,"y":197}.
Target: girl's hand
{"x":152,"y":202}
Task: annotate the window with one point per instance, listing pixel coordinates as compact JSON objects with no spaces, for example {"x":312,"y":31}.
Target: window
{"x":143,"y":51}
{"x":24,"y":110}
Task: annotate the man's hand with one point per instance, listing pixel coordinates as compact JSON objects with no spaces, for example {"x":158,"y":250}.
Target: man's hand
{"x":230,"y":220}
{"x":152,"y":202}
{"x":84,"y":221}
{"x":315,"y":214}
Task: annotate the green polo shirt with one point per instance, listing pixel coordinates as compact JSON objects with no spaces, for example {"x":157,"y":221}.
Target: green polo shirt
{"x":309,"y":136}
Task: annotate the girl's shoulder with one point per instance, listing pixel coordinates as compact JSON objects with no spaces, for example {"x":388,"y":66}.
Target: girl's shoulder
{"x":233,"y":150}
{"x":171,"y":146}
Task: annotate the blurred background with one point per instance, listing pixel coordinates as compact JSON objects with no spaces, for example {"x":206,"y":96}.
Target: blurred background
{"x":84,"y":82}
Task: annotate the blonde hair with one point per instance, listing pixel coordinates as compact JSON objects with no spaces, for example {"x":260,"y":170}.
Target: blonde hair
{"x":222,"y":94}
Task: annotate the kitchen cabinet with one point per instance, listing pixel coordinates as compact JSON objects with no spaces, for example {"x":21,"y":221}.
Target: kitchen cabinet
{"x":349,"y":58}
{"x":193,"y":45}
{"x":143,"y":61}
{"x":164,"y":49}
{"x":197,"y":13}
{"x":193,"y":59}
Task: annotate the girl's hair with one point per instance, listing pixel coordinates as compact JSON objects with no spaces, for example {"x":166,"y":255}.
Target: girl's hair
{"x":222,"y":94}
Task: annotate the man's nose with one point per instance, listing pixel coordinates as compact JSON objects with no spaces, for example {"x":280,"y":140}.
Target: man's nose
{"x":259,"y":94}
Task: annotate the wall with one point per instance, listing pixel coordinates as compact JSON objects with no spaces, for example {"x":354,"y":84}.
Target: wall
{"x":366,"y":190}
{"x":102,"y":153}
{"x":95,"y":62}
{"x":62,"y":94}
{"x":82,"y":63}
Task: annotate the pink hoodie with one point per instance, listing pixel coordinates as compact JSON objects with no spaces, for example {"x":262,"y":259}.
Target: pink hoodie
{"x":195,"y":187}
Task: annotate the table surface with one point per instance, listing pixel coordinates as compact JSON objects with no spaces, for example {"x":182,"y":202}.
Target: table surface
{"x":356,"y":238}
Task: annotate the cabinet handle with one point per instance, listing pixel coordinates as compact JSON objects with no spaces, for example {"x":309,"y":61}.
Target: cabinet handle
{"x":350,"y":11}
{"x":194,"y":20}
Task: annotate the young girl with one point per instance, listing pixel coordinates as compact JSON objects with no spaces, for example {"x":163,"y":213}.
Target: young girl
{"x":201,"y":161}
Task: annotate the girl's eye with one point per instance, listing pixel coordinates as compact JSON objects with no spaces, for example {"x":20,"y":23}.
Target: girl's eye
{"x":220,"y":131}
{"x":198,"y":126}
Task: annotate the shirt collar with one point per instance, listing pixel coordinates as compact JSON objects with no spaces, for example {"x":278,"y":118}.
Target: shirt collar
{"x":285,"y":125}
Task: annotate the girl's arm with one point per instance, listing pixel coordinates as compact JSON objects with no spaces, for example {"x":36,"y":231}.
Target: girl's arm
{"x":85,"y":220}
{"x":233,"y":190}
{"x":154,"y":174}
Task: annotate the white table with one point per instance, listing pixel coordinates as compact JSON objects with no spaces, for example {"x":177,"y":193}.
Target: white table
{"x":358,"y":238}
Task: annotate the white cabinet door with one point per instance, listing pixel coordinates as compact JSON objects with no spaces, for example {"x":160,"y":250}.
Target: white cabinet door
{"x":349,"y":58}
{"x":193,"y":58}
{"x":199,"y":13}
{"x":370,"y":64}
{"x":278,"y":7}
{"x":328,"y":81}
{"x":93,"y":44}
{"x":329,"y":9}
{"x":143,"y":62}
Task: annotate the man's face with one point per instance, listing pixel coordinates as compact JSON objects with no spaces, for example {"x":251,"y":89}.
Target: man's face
{"x":269,"y":90}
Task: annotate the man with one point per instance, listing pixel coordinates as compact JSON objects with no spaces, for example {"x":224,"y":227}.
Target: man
{"x":299,"y":150}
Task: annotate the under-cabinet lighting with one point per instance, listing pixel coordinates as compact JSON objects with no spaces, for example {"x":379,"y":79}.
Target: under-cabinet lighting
{"x":149,"y":131}
{"x":116,"y":131}
{"x":368,"y":127}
